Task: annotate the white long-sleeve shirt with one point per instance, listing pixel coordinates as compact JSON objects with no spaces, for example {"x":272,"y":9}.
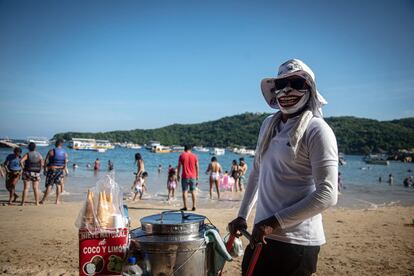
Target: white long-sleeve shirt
{"x":295,"y":191}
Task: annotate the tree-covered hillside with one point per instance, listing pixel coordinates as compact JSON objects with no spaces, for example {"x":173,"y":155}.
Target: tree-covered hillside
{"x":354,"y":135}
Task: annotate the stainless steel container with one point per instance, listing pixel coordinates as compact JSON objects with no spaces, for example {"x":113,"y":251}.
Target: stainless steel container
{"x":174,"y":243}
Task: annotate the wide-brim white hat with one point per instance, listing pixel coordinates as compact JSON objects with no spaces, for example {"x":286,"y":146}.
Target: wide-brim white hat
{"x":292,"y":67}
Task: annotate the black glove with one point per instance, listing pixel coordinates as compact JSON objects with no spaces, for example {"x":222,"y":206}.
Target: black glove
{"x":236,"y":225}
{"x":262,"y":229}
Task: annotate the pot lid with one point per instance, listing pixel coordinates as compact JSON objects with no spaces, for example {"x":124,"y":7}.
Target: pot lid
{"x":173,"y":223}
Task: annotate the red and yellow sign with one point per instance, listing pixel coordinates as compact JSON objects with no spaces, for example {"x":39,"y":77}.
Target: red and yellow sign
{"x":102,"y":253}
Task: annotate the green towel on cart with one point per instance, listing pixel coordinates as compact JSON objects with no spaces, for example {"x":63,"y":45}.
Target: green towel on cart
{"x":220,"y":254}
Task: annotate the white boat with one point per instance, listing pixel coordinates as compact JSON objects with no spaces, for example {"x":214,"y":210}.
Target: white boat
{"x":82,"y":144}
{"x":218,"y":151}
{"x":200,"y":149}
{"x":152,"y":144}
{"x":39,"y":141}
{"x":177,"y":148}
{"x":103,"y":144}
{"x":161,"y":149}
{"x":244,"y":151}
{"x":133,"y":146}
{"x":90,"y":144}
{"x":376,"y":159}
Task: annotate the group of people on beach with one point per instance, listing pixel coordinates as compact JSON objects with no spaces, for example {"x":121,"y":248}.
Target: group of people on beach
{"x":29,"y":167}
{"x":187,"y":171}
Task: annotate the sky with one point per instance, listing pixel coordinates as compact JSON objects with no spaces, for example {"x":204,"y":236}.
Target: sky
{"x":102,"y":65}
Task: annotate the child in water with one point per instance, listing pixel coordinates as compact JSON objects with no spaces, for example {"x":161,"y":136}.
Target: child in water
{"x":139,"y":185}
{"x":171,"y":183}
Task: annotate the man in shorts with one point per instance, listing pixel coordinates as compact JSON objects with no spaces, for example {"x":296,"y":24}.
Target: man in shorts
{"x":32,"y":163}
{"x":55,"y":166}
{"x":189,"y":177}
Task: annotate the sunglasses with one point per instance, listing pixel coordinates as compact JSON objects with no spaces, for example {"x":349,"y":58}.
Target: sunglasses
{"x":295,"y":83}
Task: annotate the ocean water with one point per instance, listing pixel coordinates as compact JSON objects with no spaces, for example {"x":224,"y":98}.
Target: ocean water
{"x":360,"y":180}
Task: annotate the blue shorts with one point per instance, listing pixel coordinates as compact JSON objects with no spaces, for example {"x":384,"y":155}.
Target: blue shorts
{"x":188,"y":184}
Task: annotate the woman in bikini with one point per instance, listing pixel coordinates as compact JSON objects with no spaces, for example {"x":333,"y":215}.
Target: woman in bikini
{"x":140,"y":164}
{"x":214,"y":169}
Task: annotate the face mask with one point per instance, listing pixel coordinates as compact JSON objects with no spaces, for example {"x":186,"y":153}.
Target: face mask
{"x":291,"y":100}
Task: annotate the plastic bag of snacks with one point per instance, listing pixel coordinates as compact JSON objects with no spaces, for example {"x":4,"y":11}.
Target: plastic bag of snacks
{"x":103,"y":232}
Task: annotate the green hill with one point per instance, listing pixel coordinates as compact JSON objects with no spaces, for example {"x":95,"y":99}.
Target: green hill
{"x":354,"y":135}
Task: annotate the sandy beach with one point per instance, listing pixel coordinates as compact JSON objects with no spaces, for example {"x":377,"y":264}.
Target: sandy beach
{"x":43,"y":240}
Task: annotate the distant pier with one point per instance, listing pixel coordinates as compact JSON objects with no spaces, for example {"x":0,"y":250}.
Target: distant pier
{"x":7,"y":144}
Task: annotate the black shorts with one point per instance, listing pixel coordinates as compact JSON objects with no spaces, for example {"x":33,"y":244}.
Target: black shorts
{"x":279,"y":258}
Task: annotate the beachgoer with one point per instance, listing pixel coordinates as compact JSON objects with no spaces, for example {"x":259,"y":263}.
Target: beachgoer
{"x":242,"y":169}
{"x":214,"y":168}
{"x":159,"y":168}
{"x":171,"y":183}
{"x":390,"y":179}
{"x":170,"y":168}
{"x":380,"y":179}
{"x":140,"y":164}
{"x":408,"y":181}
{"x":88,"y":166}
{"x":226,"y":182}
{"x":97,"y":165}
{"x":139,"y":185}
{"x":339,"y":182}
{"x":235,"y":173}
{"x":294,"y":177}
{"x":189,"y":177}
{"x":54,"y":168}
{"x":110,"y":165}
{"x":32,"y":163}
{"x":74,"y":166}
{"x":13,"y":171}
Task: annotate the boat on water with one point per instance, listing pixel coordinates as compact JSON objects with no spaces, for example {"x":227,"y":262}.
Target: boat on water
{"x":90,"y":144}
{"x":133,"y":146}
{"x":244,"y":151}
{"x":376,"y":159}
{"x":39,"y":141}
{"x":161,"y":149}
{"x":103,"y":144}
{"x":177,"y":148}
{"x":7,"y":143}
{"x":82,"y":144}
{"x":200,"y":149}
{"x":218,"y":151}
{"x":152,"y":144}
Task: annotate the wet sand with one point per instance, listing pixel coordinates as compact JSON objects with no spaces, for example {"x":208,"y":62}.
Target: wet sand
{"x":43,"y":240}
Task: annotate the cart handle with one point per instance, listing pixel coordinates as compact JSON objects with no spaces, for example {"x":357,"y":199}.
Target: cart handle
{"x":183,"y":216}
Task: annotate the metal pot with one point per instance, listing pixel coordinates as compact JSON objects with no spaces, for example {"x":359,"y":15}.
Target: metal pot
{"x":173,"y":241}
